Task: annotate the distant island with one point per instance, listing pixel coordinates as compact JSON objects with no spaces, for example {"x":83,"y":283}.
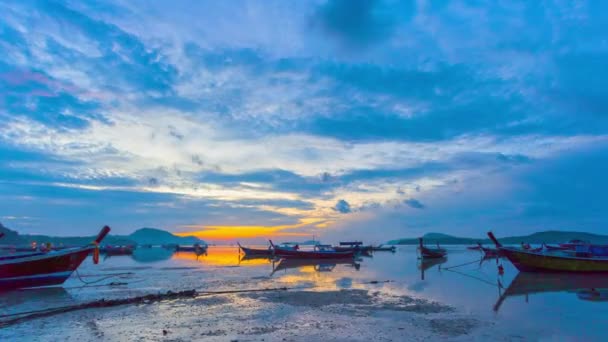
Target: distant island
{"x":143,"y":236}
{"x":551,"y":237}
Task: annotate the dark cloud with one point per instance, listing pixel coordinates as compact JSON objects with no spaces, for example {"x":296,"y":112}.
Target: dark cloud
{"x":360,"y":22}
{"x":342,"y":207}
{"x":414,"y":203}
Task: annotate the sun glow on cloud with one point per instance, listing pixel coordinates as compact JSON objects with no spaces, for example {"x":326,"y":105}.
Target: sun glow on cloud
{"x":141,"y":120}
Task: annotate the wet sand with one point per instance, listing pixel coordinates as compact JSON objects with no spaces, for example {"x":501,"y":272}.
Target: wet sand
{"x":341,"y":315}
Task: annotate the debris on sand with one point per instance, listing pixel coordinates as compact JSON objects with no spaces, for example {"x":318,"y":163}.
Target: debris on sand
{"x":453,"y":327}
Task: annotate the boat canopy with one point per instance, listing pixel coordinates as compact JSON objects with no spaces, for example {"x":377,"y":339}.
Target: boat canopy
{"x":351,"y":243}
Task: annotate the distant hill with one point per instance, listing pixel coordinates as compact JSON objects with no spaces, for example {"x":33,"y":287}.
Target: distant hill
{"x":10,"y":237}
{"x":551,"y":237}
{"x":153,"y":236}
{"x":142,"y":236}
{"x":443,"y":239}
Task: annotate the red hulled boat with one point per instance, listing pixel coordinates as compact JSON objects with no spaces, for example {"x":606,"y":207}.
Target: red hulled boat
{"x":43,"y":268}
{"x":431,"y":253}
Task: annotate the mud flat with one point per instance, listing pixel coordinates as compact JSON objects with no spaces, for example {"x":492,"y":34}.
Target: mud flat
{"x":337,"y":315}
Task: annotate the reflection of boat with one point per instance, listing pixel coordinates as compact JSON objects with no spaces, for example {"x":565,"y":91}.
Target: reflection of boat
{"x":531,"y":261}
{"x":50,"y":268}
{"x":247,"y":257}
{"x":427,"y":263}
{"x":320,"y":265}
{"x":431,"y":253}
{"x":145,"y":255}
{"x":587,"y":286}
{"x":319,"y":252}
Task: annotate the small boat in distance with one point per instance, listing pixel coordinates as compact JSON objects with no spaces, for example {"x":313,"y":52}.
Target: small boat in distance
{"x":44,"y":268}
{"x":383,"y":248}
{"x":536,"y":261}
{"x":116,"y":250}
{"x":431,"y":253}
{"x":319,"y":252}
{"x":474,"y":248}
{"x":554,"y":248}
{"x":196,"y":248}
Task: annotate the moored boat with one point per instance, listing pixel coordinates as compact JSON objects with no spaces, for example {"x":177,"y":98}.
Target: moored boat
{"x":196,"y":248}
{"x":117,"y":250}
{"x":431,"y":253}
{"x":44,"y":268}
{"x":383,"y":248}
{"x":534,"y":261}
{"x":319,"y":252}
{"x":267,"y":252}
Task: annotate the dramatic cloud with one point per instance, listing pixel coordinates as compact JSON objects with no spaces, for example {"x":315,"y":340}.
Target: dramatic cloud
{"x":342,"y":207}
{"x":414,"y":203}
{"x":203,"y":117}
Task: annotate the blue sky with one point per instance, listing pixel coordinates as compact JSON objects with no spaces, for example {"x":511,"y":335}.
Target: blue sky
{"x":371,"y":119}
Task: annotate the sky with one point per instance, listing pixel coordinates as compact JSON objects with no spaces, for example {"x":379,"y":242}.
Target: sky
{"x":360,"y":119}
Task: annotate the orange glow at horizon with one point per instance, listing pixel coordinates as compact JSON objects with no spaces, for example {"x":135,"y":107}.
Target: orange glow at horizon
{"x":246,"y":232}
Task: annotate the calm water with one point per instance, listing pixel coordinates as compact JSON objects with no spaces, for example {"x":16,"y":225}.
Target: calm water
{"x":532,"y":306}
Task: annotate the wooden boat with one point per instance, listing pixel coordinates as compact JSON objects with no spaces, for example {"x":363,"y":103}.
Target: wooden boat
{"x":573,"y":243}
{"x":383,"y":248}
{"x":117,"y":250}
{"x":44,"y":268}
{"x":474,"y":248}
{"x":196,"y":248}
{"x":587,"y":286}
{"x":354,"y":246}
{"x":534,"y":261}
{"x":319,"y":252}
{"x":555,"y":248}
{"x":266,"y":252}
{"x":431,"y":253}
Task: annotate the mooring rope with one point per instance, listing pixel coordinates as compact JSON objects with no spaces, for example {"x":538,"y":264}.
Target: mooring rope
{"x":467,"y":263}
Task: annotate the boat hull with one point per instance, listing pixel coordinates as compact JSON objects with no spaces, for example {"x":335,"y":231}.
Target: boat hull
{"x":257,"y":251}
{"x":526,"y":261}
{"x":41,"y":270}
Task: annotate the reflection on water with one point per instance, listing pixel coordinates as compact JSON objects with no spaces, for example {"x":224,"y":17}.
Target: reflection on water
{"x":463,"y":280}
{"x":590,"y":287}
{"x":426,"y":264}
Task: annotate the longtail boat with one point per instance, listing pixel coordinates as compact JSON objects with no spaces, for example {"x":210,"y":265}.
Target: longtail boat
{"x":383,"y":248}
{"x":431,"y":253}
{"x":319,"y":252}
{"x":490,"y":252}
{"x":266,"y":252}
{"x":196,"y":248}
{"x":117,"y":250}
{"x":44,"y":268}
{"x":555,"y":248}
{"x":586,"y":286}
{"x":354,"y":246}
{"x":534,"y":261}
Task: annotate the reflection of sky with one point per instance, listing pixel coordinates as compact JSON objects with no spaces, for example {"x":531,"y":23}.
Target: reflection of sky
{"x":377,"y":119}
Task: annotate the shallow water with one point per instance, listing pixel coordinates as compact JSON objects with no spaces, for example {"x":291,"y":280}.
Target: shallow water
{"x":535,"y":307}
